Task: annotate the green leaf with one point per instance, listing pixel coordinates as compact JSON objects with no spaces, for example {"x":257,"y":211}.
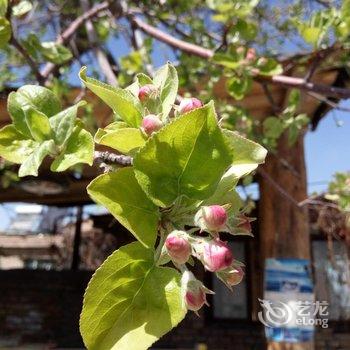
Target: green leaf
{"x":79,"y":149}
{"x":273,"y":127}
{"x":37,"y":97}
{"x":120,"y":193}
{"x":130,"y":303}
{"x":133,"y":88}
{"x":109,"y":128}
{"x":38,"y":124}
{"x":167,"y":81}
{"x":3,"y":7}
{"x":247,"y":30}
{"x":63,"y":123}
{"x":238,"y":87}
{"x":143,"y":79}
{"x":14,"y":146}
{"x":31,"y":165}
{"x":123,"y":102}
{"x":22,"y":8}
{"x":247,"y":155}
{"x":5,"y":31}
{"x":187,"y":157}
{"x":311,"y":34}
{"x":54,"y":52}
{"x":126,"y":140}
{"x":232,"y":61}
{"x":269,"y":66}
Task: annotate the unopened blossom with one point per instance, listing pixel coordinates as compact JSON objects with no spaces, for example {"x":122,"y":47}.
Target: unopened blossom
{"x":251,"y":55}
{"x":262,"y":61}
{"x":193,"y":292}
{"x":147,"y":91}
{"x":188,"y":104}
{"x":211,"y":218}
{"x":231,"y":276}
{"x":151,"y":123}
{"x":178,"y":247}
{"x":244,"y":223}
{"x":216,"y":255}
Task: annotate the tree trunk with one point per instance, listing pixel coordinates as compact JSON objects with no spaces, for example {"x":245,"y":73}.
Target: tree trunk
{"x":283,"y":225}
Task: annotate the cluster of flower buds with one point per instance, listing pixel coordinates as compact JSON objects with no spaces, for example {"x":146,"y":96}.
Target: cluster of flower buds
{"x":148,"y":95}
{"x":193,"y":292}
{"x":215,"y":254}
{"x":151,"y":123}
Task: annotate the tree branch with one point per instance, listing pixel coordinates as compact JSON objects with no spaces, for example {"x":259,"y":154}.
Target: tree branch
{"x":184,"y":46}
{"x":67,"y":34}
{"x":280,"y":80}
{"x":327,"y":101}
{"x":93,"y":39}
{"x":16,"y":44}
{"x":112,"y":158}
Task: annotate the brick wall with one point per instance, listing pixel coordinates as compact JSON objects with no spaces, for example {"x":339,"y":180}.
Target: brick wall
{"x":42,"y":307}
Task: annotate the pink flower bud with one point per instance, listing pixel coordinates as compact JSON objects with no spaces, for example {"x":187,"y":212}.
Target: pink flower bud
{"x":188,"y":104}
{"x":211,"y":218}
{"x":178,"y":247}
{"x":240,"y":50}
{"x":243,"y":224}
{"x":262,"y":61}
{"x":193,"y":292}
{"x":217,"y":255}
{"x":147,"y":91}
{"x":231,"y":276}
{"x":251,"y":55}
{"x":151,"y":123}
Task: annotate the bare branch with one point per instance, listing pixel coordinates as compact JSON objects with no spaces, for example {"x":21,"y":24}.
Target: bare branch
{"x":184,"y":46}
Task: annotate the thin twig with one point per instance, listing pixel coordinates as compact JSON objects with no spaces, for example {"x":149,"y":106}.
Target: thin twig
{"x":276,"y":109}
{"x":33,"y":66}
{"x":279,"y":188}
{"x":330,"y":103}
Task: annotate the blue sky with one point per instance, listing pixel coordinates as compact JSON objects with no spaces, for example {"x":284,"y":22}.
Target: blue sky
{"x":327,"y":150}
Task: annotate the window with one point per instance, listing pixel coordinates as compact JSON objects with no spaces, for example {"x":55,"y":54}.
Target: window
{"x":227,"y":304}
